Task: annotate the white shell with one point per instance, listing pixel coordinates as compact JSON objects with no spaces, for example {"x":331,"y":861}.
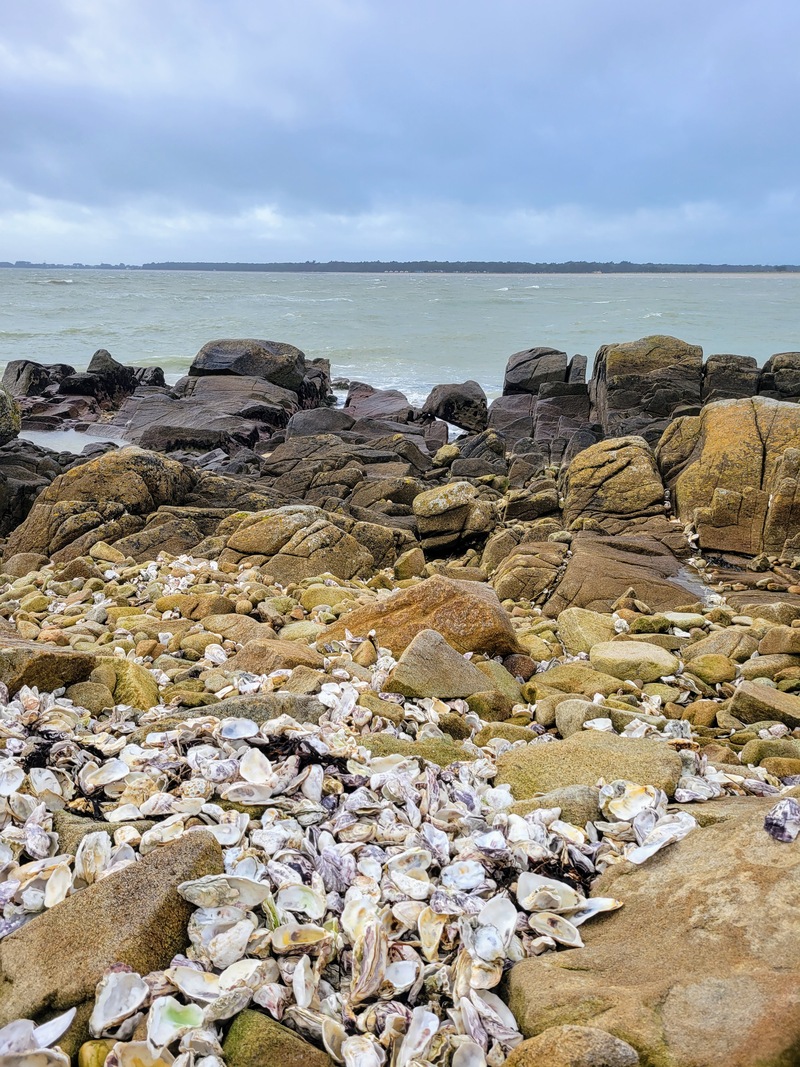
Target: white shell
{"x":169,"y":1019}
{"x":119,"y":995}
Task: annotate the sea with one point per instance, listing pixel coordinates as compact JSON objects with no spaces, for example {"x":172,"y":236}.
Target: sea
{"x":403,"y":331}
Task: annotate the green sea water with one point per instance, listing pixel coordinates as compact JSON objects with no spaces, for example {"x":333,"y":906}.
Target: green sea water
{"x":406,"y":331}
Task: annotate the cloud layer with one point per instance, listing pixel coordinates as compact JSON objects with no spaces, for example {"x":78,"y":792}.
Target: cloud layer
{"x":352,"y":129}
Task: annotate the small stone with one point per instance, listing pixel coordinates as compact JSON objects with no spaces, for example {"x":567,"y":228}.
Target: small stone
{"x":633,"y":660}
{"x":92,"y":696}
{"x":255,"y":1040}
{"x":573,"y":1046}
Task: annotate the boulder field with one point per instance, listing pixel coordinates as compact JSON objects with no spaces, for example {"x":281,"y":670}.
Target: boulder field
{"x":327,"y":739}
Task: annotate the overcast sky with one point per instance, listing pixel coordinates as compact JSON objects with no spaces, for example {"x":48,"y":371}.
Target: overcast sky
{"x":136,"y":130}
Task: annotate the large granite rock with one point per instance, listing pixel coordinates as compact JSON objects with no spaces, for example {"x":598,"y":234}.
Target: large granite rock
{"x":41,"y":664}
{"x":462,"y":405}
{"x":513,"y":416}
{"x":167,"y":424}
{"x":780,"y":376}
{"x":733,"y":472}
{"x":25,"y":469}
{"x":297,"y":542}
{"x":468,"y":615}
{"x":278,"y":362}
{"x":728,"y":377}
{"x":573,"y":1046}
{"x":365,"y":402}
{"x":638,"y":386}
{"x":103,"y":499}
{"x":612,"y":483}
{"x":10,"y":418}
{"x":134,"y":917}
{"x":698,"y":968}
{"x":23,"y":377}
{"x":529,"y":570}
{"x":430,"y":667}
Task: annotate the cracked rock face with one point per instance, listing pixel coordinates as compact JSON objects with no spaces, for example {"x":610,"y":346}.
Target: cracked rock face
{"x":733,"y":471}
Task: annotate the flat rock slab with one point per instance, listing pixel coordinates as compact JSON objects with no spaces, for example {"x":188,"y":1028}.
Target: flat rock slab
{"x":699,"y":968}
{"x":135,"y":916}
{"x":585,"y":757}
{"x":46,"y":666}
{"x":601,"y":568}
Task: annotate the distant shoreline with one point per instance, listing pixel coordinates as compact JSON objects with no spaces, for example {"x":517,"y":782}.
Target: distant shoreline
{"x":425,"y":267}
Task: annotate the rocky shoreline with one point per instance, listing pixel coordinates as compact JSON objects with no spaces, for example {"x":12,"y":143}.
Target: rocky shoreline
{"x":322,"y":734}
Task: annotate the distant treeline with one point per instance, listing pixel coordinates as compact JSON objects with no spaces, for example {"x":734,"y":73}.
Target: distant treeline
{"x":428,"y":266}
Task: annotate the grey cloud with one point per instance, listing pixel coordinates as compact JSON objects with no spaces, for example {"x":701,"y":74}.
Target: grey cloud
{"x":618,"y":114}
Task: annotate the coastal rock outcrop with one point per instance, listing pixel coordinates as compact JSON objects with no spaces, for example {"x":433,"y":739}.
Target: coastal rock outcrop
{"x":277,"y":362}
{"x":733,"y":471}
{"x":468,"y":615}
{"x":638,"y":386}
{"x":104,"y":497}
{"x":135,"y":917}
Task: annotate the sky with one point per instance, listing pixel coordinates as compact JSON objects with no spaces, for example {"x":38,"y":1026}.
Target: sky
{"x":256,"y":130}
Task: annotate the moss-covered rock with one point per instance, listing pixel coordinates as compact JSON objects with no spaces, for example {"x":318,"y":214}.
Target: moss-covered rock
{"x":583,"y":759}
{"x":255,"y":1040}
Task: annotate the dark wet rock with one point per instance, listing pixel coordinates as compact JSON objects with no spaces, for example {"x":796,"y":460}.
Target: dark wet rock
{"x":485,"y":451}
{"x":256,"y":399}
{"x":318,"y":420}
{"x":462,"y":405}
{"x":149,"y":376}
{"x":727,"y":377}
{"x":26,"y":469}
{"x":513,"y":416}
{"x":278,"y":362}
{"x":23,"y":377}
{"x":780,"y":377}
{"x":364,"y":402}
{"x":638,"y":386}
{"x":527,"y":370}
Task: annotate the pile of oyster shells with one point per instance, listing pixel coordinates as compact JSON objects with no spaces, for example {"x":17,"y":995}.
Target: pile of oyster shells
{"x":373,"y":907}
